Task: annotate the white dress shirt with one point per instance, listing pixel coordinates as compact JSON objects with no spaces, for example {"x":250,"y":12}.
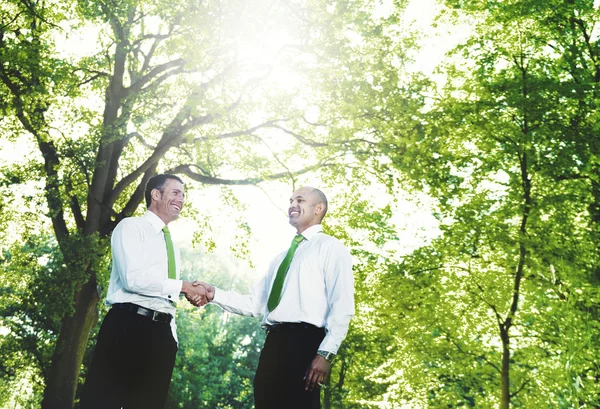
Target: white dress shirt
{"x":318,"y":289}
{"x":140,"y":267}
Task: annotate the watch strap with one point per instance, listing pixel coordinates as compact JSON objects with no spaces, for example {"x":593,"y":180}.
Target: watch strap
{"x":326,"y":354}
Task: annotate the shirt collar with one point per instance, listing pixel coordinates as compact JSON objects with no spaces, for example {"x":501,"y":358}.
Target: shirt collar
{"x":312,"y":231}
{"x":154,"y":220}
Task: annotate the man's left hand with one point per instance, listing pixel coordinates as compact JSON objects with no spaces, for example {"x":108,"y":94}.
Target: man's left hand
{"x":318,"y":372}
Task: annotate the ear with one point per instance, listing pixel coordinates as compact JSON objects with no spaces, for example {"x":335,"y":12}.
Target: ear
{"x":319,"y":208}
{"x":156,"y":195}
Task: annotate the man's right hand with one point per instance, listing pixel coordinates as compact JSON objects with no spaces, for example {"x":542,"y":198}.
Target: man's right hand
{"x":210,"y":290}
{"x":195,"y":294}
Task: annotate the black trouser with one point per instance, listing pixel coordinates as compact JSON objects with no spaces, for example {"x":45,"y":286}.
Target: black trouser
{"x":287,"y":354}
{"x":132,"y":364}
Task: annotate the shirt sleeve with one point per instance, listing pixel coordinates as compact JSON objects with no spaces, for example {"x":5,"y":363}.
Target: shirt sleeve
{"x":252,"y":305}
{"x":339,"y":287}
{"x":128,"y":254}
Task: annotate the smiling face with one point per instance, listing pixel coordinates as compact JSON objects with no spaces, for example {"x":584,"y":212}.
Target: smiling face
{"x":168,"y":204}
{"x":306,"y":209}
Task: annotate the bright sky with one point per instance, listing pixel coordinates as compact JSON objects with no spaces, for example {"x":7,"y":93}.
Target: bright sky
{"x":266,"y":212}
{"x":267,"y":208}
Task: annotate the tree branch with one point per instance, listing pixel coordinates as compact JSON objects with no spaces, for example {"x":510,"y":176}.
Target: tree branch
{"x":134,"y":201}
{"x":248,"y":131}
{"x":2,"y":28}
{"x":74,"y":205}
{"x":460,"y":349}
{"x":515,"y":393}
{"x":588,"y":44}
{"x":499,"y":318}
{"x":300,"y":138}
{"x":154,"y":72}
{"x":34,"y":122}
{"x":140,"y":138}
{"x":156,"y":37}
{"x":213,"y":180}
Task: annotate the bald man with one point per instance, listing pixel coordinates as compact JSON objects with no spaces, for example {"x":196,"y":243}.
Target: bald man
{"x":306,"y":301}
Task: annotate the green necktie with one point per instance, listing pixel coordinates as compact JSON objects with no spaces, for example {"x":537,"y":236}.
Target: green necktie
{"x":281,"y":273}
{"x":170,"y":253}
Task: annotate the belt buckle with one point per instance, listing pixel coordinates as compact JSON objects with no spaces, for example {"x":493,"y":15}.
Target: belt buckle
{"x":155,"y":315}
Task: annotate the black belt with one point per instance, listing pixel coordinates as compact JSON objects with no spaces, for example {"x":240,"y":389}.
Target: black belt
{"x":290,"y":326}
{"x":157,"y":316}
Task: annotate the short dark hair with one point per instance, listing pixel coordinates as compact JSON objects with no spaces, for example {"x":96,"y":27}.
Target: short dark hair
{"x":158,"y":182}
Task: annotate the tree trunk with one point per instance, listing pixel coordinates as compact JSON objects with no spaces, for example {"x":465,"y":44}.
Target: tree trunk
{"x":594,"y":209}
{"x":70,"y":348}
{"x":327,"y":394}
{"x":505,"y":372}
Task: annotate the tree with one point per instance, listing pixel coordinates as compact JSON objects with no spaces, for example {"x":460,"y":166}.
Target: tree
{"x":166,"y":89}
{"x":508,"y":150}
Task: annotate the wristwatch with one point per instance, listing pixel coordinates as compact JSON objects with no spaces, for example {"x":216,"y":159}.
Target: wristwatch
{"x":326,"y":354}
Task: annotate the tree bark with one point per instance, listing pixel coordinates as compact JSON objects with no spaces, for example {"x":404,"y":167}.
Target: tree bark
{"x":505,"y":326}
{"x":327,"y":394}
{"x":70,"y":348}
{"x":505,"y":371}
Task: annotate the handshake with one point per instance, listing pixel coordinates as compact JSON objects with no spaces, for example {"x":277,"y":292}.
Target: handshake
{"x":198,"y":293}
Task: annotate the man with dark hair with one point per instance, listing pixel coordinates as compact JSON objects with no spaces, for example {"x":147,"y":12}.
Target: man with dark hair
{"x":137,"y":343}
{"x":306,"y":300}
{"x":158,"y":182}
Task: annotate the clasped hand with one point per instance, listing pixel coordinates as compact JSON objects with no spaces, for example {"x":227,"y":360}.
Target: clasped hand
{"x":198,"y":293}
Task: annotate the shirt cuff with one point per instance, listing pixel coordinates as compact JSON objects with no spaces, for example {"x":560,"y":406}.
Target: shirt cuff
{"x":172,"y":289}
{"x":329,"y":344}
{"x":217,"y":297}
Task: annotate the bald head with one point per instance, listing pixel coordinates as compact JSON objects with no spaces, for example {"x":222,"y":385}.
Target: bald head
{"x":308,"y":206}
{"x":320,"y":199}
